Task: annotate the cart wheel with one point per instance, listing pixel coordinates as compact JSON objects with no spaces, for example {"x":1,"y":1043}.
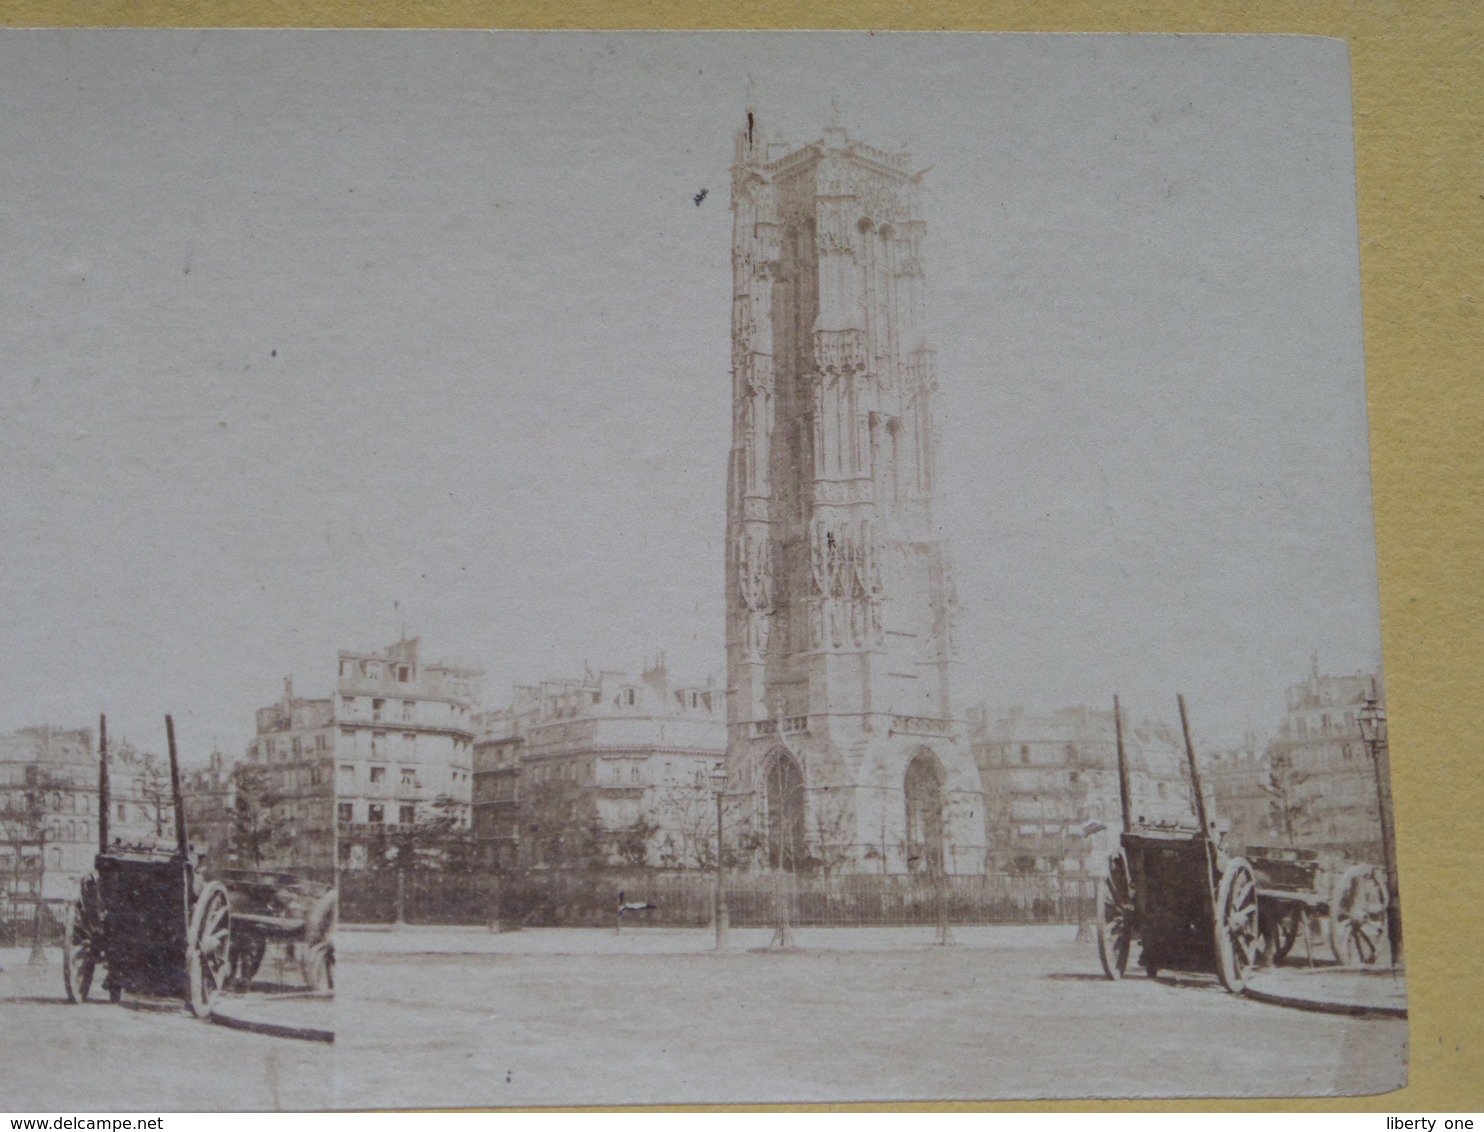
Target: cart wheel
{"x":82,"y":941}
{"x":319,"y":942}
{"x":1236,"y":925}
{"x":1115,"y":918}
{"x":1357,"y":919}
{"x":208,"y":948}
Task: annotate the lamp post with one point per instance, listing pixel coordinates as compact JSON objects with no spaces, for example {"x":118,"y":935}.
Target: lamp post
{"x":38,"y":948}
{"x":719,"y":899}
{"x":1373,"y":734}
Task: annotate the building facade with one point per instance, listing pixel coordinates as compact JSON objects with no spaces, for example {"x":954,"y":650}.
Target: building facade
{"x":839,"y":589}
{"x":1050,"y":778}
{"x":49,"y":809}
{"x":403,"y":733}
{"x":603,"y":770}
{"x":48,"y":812}
{"x":1314,"y":784}
{"x":210,"y":794}
{"x":286,"y":780}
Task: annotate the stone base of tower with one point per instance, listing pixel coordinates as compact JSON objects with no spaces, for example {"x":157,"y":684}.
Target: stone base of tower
{"x":857,"y":796}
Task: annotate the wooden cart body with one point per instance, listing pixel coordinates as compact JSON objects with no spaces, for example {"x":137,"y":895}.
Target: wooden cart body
{"x":144,"y":900}
{"x":1170,"y":874}
{"x":145,"y":915}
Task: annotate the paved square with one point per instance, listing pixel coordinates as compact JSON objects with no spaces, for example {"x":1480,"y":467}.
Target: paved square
{"x":461,"y":1017}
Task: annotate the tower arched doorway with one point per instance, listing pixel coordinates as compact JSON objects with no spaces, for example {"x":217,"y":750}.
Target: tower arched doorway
{"x":923,"y":787}
{"x":783,"y":812}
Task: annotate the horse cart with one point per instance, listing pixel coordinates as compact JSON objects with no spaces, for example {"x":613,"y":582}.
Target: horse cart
{"x":285,"y":909}
{"x":1172,"y":889}
{"x":1296,"y":893}
{"x":147,"y":916}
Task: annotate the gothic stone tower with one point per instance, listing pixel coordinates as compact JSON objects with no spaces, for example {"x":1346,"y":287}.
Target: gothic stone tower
{"x":840,"y":594}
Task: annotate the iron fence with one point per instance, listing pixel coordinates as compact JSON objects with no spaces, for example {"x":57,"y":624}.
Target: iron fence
{"x":590,"y":898}
{"x":19,"y":927}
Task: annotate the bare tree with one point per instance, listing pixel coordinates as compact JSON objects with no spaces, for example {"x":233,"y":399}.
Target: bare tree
{"x":632,"y":842}
{"x":689,"y":814}
{"x":1290,"y":810}
{"x":831,"y":848}
{"x":561,"y":827}
{"x":257,"y":830}
{"x":154,"y":789}
{"x":440,"y":840}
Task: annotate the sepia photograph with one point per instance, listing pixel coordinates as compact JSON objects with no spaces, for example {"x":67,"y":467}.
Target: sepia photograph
{"x":555,"y":568}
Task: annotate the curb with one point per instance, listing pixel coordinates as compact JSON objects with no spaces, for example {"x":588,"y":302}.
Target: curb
{"x":272,"y":1029}
{"x":1320,"y":1006}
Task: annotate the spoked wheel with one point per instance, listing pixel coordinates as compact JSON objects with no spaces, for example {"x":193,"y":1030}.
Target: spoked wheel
{"x":1236,"y":925}
{"x":82,"y":941}
{"x":319,"y":942}
{"x":1357,"y":922}
{"x":1115,"y":918}
{"x":208,"y":948}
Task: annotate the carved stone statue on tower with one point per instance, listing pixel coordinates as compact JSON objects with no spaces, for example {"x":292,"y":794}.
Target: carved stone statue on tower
{"x":840,"y":595}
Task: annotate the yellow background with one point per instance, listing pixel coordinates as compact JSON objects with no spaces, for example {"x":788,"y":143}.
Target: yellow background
{"x":1419,"y":132}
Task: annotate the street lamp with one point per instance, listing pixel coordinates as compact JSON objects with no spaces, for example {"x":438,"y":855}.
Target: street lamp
{"x":719,"y":901}
{"x":1373,"y":734}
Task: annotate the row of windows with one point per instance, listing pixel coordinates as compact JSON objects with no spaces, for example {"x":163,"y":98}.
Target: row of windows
{"x":376,"y":774}
{"x":299,"y":777}
{"x":406,"y":711}
{"x":376,"y":813}
{"x":57,"y":802}
{"x":347,"y":775}
{"x":623,"y":772}
{"x":380,"y":747}
{"x":270,"y":749}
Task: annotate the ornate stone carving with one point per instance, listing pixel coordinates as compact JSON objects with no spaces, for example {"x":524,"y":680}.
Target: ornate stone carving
{"x":758,"y":374}
{"x":846,"y":575}
{"x":752,"y":562}
{"x":834,"y":233}
{"x":769,"y":236}
{"x":840,"y":352}
{"x":922,"y":371}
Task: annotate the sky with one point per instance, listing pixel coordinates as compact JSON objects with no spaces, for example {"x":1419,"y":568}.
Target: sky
{"x":310,"y":339}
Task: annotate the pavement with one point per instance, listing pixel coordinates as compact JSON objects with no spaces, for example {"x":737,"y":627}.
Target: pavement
{"x":436,"y":1017}
{"x":439,"y":1016}
{"x":423,"y":939}
{"x":142,"y":1054}
{"x":1327,"y":988}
